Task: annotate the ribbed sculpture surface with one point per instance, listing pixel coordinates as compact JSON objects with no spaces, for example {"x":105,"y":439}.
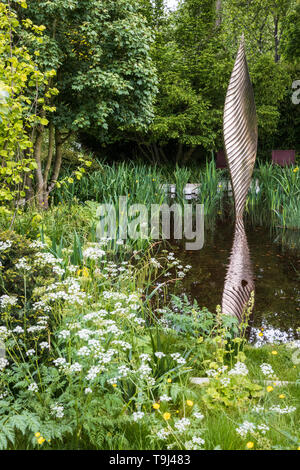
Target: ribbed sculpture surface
{"x":240,"y":137}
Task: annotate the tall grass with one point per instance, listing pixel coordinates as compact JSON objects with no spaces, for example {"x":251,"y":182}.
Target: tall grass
{"x":273,"y":200}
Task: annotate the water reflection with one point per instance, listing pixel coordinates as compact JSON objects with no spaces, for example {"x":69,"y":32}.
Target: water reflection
{"x":239,"y":281}
{"x":276,"y":270}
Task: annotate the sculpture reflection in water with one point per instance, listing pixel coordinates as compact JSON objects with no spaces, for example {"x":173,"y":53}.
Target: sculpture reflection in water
{"x":240,"y":137}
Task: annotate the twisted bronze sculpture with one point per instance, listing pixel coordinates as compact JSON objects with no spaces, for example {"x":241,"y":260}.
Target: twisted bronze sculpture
{"x":240,"y":137}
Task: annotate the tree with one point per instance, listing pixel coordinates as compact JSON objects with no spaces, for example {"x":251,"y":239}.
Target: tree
{"x":105,"y":76}
{"x":291,"y":39}
{"x":191,"y":65}
{"x":22,"y":94}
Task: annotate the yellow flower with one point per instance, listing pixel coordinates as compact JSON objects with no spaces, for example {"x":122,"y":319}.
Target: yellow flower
{"x":270,"y":388}
{"x":156,"y":406}
{"x":167,"y":416}
{"x":41,"y":440}
{"x":296,"y":169}
{"x":189,"y":403}
{"x":260,"y":334}
{"x":274,"y":353}
{"x":282,"y":395}
{"x":250,"y":445}
{"x":114,"y":385}
{"x":84,"y":272}
{"x":169,"y":381}
{"x":37,"y":434}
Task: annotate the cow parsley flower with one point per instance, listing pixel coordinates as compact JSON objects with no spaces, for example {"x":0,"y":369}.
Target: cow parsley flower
{"x":33,"y":387}
{"x":138,"y":415}
{"x":182,"y":424}
{"x":57,"y":411}
{"x":245,"y":428}
{"x":239,"y":369}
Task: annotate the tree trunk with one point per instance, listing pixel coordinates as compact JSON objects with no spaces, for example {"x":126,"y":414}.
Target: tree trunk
{"x":39,"y":171}
{"x":218,"y":13}
{"x":179,"y":153}
{"x":188,"y":155}
{"x":276,"y":39}
{"x":58,"y":159}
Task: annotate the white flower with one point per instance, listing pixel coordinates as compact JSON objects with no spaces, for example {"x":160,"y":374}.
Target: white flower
{"x":263,"y":428}
{"x":198,"y":441}
{"x":33,"y":387}
{"x":144,"y":371}
{"x":165,"y":398}
{"x":245,"y":428}
{"x":30,"y":352}
{"x":57,"y":410}
{"x":267,"y":370}
{"x":138,"y":415}
{"x":178,"y":358}
{"x":155,"y":263}
{"x":123,"y":371}
{"x":145,"y":357}
{"x":23,"y":265}
{"x":195,"y":444}
{"x":4,"y":333}
{"x":239,"y":369}
{"x":37,"y":244}
{"x":35,"y":328}
{"x":162,"y":434}
{"x":76,"y":367}
{"x":18,"y":329}
{"x":93,"y":253}
{"x":198,"y":415}
{"x":58,"y":270}
{"x":93,"y":372}
{"x":84,"y":333}
{"x":88,"y":390}
{"x":64,"y":334}
{"x":258,"y":409}
{"x":182,"y":424}
{"x":5,"y":245}
{"x":84,"y":351}
{"x":3,"y":363}
{"x":44,"y":345}
{"x":60,"y":361}
{"x":159,"y":354}
{"x":7,"y":300}
{"x":225,"y":381}
{"x":125,"y":346}
{"x":282,"y":411}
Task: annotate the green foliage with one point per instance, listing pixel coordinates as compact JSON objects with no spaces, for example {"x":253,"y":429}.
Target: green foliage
{"x":291,"y":39}
{"x":22,"y":90}
{"x":105,"y":76}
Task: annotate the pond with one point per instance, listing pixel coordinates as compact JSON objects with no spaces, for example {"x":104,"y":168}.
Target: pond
{"x":277,"y":279}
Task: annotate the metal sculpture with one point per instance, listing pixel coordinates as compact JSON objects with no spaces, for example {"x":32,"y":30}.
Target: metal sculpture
{"x":240,"y":137}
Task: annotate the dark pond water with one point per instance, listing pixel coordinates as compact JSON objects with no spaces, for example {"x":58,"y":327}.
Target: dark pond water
{"x":277,"y":279}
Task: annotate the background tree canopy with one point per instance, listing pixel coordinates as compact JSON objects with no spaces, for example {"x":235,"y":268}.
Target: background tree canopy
{"x":131,"y":79}
{"x":194,"y":51}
